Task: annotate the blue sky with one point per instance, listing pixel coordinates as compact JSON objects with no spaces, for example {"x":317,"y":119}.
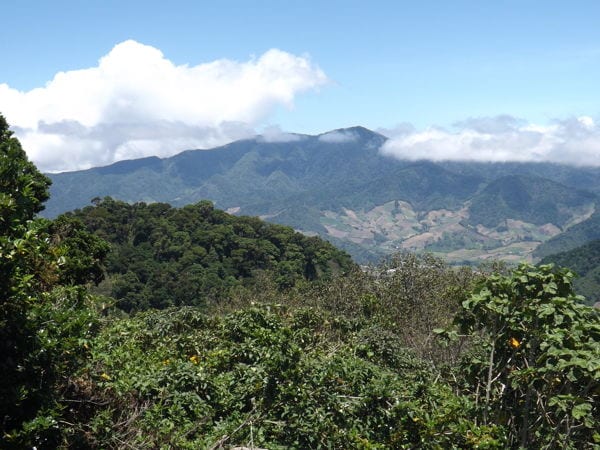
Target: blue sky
{"x":427,"y":63}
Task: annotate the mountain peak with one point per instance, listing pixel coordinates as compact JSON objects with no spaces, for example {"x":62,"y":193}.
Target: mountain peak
{"x":356,"y":133}
{"x":362,"y":131}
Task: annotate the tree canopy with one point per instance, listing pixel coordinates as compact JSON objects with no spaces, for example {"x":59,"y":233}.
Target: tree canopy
{"x":44,"y":315}
{"x":163,"y":256}
{"x":23,"y":189}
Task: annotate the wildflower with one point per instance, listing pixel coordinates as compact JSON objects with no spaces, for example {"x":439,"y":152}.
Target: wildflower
{"x":194,"y":359}
{"x":514,"y":343}
{"x":105,"y":376}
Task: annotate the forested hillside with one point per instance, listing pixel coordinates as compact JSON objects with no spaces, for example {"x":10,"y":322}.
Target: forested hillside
{"x":585,"y":262}
{"x":528,"y":199}
{"x":163,"y":256}
{"x":576,"y":236}
{"x":302,"y":351}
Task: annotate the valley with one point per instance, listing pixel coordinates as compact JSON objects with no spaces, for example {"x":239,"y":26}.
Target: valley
{"x":396,"y":226}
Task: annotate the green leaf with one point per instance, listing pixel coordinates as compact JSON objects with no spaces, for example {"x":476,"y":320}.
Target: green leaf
{"x":581,"y":410}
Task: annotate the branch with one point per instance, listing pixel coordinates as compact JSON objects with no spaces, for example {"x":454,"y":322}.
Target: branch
{"x":488,"y":386}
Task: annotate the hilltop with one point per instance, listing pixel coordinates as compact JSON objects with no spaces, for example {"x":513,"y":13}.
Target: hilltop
{"x":163,"y":256}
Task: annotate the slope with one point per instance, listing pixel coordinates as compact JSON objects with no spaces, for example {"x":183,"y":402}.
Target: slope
{"x":240,"y":173}
{"x":526,"y":198}
{"x":585,"y":262}
{"x":576,"y":236}
{"x":163,"y":256}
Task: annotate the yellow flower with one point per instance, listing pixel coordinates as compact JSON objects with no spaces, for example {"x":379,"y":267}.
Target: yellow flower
{"x":166,"y":362}
{"x":514,"y":343}
{"x":105,"y":376}
{"x":194,"y":359}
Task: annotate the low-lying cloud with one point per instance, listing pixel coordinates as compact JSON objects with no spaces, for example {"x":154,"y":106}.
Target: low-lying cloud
{"x":137,"y":103}
{"x":338,"y":137}
{"x":275,"y":135}
{"x":504,"y":138}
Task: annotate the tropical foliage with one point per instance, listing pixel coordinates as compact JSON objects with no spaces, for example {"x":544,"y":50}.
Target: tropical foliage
{"x":297,"y":348}
{"x":163,"y":256}
{"x":45,"y":318}
{"x":536,"y":365}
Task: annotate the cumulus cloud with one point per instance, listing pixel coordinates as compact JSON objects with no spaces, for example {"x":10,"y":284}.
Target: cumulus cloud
{"x":338,"y":136}
{"x":504,"y":138}
{"x":136,"y":102}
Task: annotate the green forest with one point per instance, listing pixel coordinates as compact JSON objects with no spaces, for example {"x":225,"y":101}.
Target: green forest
{"x":151,"y":327}
{"x":585,"y":261}
{"x":162,"y":256}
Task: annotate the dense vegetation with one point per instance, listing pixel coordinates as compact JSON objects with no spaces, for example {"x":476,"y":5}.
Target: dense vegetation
{"x":45,"y":317}
{"x":585,"y":262}
{"x":163,"y":256}
{"x":410,"y":354}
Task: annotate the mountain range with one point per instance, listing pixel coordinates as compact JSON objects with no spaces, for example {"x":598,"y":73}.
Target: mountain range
{"x":340,"y":186}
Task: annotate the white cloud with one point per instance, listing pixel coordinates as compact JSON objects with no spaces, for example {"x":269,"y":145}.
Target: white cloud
{"x":338,"y":137}
{"x":136,"y":102}
{"x":504,"y":138}
{"x":274,"y":134}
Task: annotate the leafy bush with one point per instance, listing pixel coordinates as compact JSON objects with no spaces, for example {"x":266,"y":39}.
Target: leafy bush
{"x":536,"y":370}
{"x":45,"y":321}
{"x":270,"y":376}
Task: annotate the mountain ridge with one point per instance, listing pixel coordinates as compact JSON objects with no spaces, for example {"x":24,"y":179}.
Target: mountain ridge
{"x":312,"y":182}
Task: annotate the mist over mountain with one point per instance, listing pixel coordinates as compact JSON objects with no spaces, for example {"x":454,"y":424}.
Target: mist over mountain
{"x":339,"y":185}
